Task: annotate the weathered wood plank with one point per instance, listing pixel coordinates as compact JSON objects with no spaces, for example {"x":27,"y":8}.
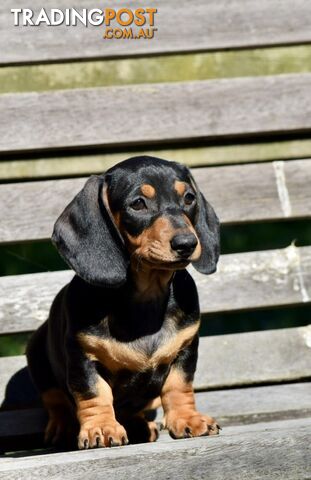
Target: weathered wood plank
{"x":216,"y":25}
{"x":230,"y":407}
{"x":73,"y":165}
{"x":253,"y":358}
{"x":258,"y":191}
{"x":157,"y":113}
{"x":8,"y":367}
{"x":238,"y":454}
{"x":235,"y":360}
{"x":249,"y":280}
{"x":256,"y":404}
{"x":257,"y":279}
{"x":166,"y":68}
{"x":235,"y":192}
{"x":26,"y":299}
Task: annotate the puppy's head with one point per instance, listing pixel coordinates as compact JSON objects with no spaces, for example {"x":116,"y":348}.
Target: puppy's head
{"x":144,"y":209}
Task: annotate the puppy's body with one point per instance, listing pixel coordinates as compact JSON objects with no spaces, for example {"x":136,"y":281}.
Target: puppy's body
{"x":125,"y":331}
{"x":132,"y":343}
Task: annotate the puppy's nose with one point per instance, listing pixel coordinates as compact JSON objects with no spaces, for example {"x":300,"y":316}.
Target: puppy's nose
{"x":184,"y":244}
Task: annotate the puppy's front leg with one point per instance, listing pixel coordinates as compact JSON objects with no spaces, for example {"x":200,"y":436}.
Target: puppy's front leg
{"x":94,"y":405}
{"x":181,"y":417}
{"x":98,"y":424}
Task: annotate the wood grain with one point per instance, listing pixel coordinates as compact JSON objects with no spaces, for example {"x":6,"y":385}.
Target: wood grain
{"x":240,"y":453}
{"x":74,"y":165}
{"x":238,"y":193}
{"x":156,"y":69}
{"x":181,"y":28}
{"x":251,"y":358}
{"x":256,"y":404}
{"x":254,"y":357}
{"x":243,"y":281}
{"x":155,"y":113}
{"x":257,"y":279}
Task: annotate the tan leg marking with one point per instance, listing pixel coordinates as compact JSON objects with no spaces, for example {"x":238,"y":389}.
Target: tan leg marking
{"x":61,"y":423}
{"x":98,"y":424}
{"x":180,"y":415}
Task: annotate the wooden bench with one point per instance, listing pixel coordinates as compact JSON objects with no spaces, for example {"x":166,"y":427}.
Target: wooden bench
{"x":224,"y":87}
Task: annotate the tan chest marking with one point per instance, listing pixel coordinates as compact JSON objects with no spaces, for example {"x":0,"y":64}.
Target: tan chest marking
{"x":120,"y":355}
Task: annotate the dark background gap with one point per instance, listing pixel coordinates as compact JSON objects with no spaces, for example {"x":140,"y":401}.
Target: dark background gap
{"x":41,"y":256}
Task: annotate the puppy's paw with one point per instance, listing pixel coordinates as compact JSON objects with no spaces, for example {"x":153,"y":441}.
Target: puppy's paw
{"x":55,"y":430}
{"x":102,"y":434}
{"x":192,"y":424}
{"x":154,"y":431}
{"x":61,"y":431}
{"x":140,"y":430}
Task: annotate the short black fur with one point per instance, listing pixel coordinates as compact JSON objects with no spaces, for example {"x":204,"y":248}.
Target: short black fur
{"x":101,"y":299}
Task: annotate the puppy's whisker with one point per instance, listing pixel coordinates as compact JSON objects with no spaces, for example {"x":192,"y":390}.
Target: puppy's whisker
{"x":138,"y":258}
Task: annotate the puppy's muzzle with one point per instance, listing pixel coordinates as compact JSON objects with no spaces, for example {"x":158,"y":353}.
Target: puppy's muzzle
{"x":184,"y":244}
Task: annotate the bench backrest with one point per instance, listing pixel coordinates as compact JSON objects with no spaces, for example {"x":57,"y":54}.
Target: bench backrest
{"x":114,"y":99}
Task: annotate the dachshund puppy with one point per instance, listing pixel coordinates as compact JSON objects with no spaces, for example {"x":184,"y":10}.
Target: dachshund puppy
{"x":123,"y":334}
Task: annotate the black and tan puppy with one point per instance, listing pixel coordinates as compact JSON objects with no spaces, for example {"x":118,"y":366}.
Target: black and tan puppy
{"x":124,"y":332}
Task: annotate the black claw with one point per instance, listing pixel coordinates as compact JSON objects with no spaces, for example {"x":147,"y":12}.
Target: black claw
{"x":97,"y":441}
{"x":85,"y":443}
{"x":188,"y":432}
{"x":112,"y":443}
{"x":218,"y":426}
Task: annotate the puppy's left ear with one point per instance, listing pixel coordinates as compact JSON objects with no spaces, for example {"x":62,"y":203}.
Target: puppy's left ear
{"x":208,"y":231}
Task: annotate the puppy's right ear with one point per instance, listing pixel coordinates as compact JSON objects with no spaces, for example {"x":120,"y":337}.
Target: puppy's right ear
{"x":88,"y":239}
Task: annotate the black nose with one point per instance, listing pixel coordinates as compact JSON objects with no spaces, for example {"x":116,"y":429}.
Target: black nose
{"x":184,"y":244}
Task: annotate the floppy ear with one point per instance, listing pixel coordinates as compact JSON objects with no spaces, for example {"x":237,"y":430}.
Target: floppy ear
{"x":87,"y":238}
{"x":208,"y":231}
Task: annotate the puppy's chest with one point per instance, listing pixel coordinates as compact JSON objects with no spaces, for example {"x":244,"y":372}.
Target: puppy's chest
{"x":144,"y":353}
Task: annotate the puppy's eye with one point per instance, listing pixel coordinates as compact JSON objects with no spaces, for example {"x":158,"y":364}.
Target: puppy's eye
{"x":138,"y":204}
{"x":189,"y":198}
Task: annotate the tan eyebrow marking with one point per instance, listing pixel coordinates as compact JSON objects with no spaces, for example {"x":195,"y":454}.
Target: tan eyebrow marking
{"x":180,"y":187}
{"x":148,"y":190}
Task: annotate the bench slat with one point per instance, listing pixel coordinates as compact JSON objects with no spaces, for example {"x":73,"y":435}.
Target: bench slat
{"x":156,"y":69}
{"x":257,"y":279}
{"x":143,"y":114}
{"x":251,"y":358}
{"x":238,"y":453}
{"x":229,"y":407}
{"x":232,"y":360}
{"x":249,"y":280}
{"x":74,"y":165}
{"x":218,"y":25}
{"x":29,"y":210}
